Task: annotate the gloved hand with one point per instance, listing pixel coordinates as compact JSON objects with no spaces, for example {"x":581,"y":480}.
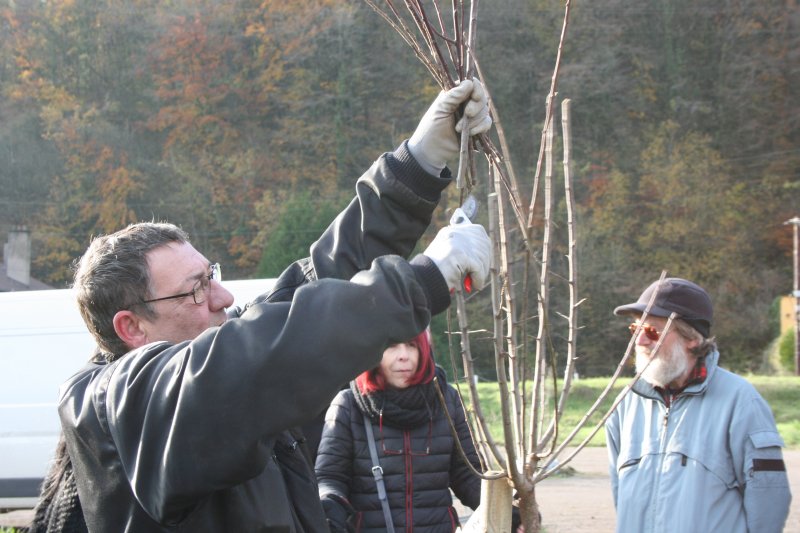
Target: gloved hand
{"x":461,"y":249}
{"x":337,"y":513}
{"x":435,"y":142}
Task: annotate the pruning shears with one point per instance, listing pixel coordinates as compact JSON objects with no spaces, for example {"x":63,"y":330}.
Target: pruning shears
{"x":464,"y":215}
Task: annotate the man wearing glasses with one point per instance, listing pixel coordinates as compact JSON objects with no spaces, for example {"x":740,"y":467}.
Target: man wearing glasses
{"x":184,"y":419}
{"x":693,"y":447}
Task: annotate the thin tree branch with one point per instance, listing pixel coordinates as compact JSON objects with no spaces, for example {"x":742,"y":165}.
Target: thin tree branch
{"x":549,"y":108}
{"x":457,"y":439}
{"x":544,"y":298}
{"x":465,"y":154}
{"x":572,"y":281}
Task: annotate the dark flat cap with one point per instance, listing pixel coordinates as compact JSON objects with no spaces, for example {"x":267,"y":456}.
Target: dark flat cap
{"x":688,"y":300}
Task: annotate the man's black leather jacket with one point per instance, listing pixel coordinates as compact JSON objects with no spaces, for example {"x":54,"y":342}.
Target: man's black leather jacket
{"x":197,"y":436}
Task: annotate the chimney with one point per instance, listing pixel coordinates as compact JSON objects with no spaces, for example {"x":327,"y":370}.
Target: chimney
{"x":17,"y":254}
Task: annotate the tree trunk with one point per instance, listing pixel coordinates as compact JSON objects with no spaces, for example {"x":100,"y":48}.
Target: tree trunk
{"x":493,"y":515}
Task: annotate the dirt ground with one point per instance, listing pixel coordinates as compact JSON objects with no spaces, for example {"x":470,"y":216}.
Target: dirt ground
{"x":580,"y":503}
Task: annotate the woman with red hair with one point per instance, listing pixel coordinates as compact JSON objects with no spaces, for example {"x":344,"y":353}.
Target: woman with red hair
{"x":415,"y":446}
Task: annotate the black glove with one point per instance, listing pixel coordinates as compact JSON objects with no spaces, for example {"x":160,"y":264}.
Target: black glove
{"x":516,"y":519}
{"x":337,"y":512}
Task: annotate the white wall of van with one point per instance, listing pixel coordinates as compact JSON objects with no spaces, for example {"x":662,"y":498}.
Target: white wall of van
{"x":43,"y":341}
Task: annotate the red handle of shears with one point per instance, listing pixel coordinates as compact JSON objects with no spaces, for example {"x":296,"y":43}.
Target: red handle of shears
{"x":460,"y":217}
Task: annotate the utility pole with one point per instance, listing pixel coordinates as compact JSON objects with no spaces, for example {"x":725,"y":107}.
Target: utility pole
{"x":796,"y":293}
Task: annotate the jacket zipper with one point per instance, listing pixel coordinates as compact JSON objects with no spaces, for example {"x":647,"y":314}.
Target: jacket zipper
{"x":409,"y":483}
{"x":662,"y":453}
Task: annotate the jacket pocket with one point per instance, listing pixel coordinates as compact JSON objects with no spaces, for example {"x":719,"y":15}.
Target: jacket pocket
{"x":766,"y":467}
{"x":631,"y":457}
{"x":766,"y":439}
{"x":718,"y":467}
{"x":289,"y":455}
{"x":630,"y":462}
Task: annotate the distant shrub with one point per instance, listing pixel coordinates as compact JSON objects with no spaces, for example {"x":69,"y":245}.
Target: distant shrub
{"x":786,"y":350}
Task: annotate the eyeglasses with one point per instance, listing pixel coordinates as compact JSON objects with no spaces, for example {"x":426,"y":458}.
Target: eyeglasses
{"x":416,"y":453}
{"x":200,"y":289}
{"x":651,"y":332}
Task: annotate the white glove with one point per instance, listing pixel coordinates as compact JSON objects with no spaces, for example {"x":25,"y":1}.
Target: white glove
{"x":461,"y":249}
{"x":435,"y":142}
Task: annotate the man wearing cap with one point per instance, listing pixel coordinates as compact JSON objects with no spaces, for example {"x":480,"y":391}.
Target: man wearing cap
{"x":693,"y":447}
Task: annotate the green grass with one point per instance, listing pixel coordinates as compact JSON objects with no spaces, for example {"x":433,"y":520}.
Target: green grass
{"x":782,"y":394}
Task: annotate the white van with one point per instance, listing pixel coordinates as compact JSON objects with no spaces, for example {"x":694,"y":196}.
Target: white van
{"x":43,"y":341}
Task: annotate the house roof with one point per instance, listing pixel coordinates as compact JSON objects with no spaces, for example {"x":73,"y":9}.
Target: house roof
{"x":8,"y":284}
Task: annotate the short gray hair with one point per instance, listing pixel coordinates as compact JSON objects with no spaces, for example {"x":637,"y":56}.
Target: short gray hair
{"x":113,"y":275}
{"x":705,"y":345}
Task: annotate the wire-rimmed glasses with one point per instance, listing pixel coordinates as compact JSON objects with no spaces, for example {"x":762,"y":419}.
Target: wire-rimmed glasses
{"x":199,"y":290}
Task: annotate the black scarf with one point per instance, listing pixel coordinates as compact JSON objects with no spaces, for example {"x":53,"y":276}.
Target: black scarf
{"x":59,"y":509}
{"x":401,"y":408}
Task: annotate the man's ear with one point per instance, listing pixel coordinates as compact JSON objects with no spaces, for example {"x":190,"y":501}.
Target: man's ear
{"x":692,"y":344}
{"x":129,"y":328}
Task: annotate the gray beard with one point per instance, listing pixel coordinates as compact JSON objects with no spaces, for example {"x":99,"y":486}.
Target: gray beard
{"x":668,"y":365}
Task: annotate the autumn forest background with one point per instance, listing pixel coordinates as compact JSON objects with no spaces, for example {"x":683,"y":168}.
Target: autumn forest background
{"x":248,"y":122}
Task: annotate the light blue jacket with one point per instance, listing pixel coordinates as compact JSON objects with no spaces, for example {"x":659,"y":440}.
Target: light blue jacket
{"x":709,"y":463}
